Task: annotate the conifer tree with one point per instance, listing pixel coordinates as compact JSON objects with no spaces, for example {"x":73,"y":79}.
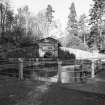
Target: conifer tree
{"x":96,"y":13}
{"x":49,"y":13}
{"x":82,"y":27}
{"x":49,"y":17}
{"x":72,"y":26}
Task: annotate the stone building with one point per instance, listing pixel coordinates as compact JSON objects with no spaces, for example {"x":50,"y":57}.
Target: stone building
{"x":48,"y":45}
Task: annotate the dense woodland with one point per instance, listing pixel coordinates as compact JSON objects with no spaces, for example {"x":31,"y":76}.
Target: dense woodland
{"x":23,"y":29}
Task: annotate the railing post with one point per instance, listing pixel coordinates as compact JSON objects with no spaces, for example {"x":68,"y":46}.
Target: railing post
{"x":35,"y":65}
{"x":59,"y":71}
{"x":93,"y":69}
{"x":20,"y":68}
{"x":100,"y":64}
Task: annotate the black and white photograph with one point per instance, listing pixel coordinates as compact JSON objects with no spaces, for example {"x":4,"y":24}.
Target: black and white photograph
{"x":52,"y":52}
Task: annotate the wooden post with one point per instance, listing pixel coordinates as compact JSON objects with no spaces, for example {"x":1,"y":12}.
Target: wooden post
{"x":35,"y":65}
{"x":20,"y":69}
{"x":93,"y":69}
{"x":59,"y":71}
{"x":100,"y":64}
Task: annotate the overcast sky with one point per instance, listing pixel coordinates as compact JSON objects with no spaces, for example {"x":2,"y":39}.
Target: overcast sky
{"x":61,"y":7}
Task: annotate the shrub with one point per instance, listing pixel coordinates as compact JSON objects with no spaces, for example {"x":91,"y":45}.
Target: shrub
{"x":23,"y":52}
{"x":72,"y":56}
{"x":48,"y":55}
{"x":65,"y":55}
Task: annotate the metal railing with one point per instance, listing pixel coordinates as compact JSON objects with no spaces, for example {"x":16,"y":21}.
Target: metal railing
{"x":78,"y":70}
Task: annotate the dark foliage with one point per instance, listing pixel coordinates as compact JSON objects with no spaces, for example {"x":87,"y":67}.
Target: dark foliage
{"x":25,"y":52}
{"x":97,"y":11}
{"x":94,"y":38}
{"x":63,"y":55}
{"x":15,"y":44}
{"x":48,"y":55}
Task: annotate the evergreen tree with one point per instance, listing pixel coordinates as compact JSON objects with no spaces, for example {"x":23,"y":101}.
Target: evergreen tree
{"x":49,"y":13}
{"x":97,"y":11}
{"x":82,"y":27}
{"x":49,"y":17}
{"x":72,"y":26}
{"x":93,"y":38}
{"x":96,"y":14}
{"x":9,"y":20}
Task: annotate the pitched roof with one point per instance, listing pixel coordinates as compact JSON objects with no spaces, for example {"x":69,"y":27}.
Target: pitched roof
{"x":49,"y":39}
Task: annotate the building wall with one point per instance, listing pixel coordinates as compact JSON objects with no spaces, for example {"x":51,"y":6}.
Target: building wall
{"x":48,"y":47}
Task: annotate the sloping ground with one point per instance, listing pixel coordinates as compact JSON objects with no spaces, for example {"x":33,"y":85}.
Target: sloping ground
{"x":100,"y":76}
{"x":15,"y":92}
{"x":62,"y":96}
{"x":80,"y":54}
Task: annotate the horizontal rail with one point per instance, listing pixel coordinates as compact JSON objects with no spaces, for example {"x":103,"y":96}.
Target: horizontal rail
{"x":8,"y":73}
{"x":71,"y":66}
{"x":79,"y":77}
{"x":26,"y":69}
{"x":75,"y":71}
